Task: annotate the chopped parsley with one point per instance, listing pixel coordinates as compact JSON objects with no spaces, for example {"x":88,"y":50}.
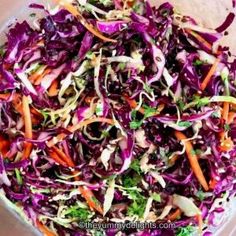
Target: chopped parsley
{"x":18,"y":177}
{"x":32,"y":15}
{"x":135,"y":165}
{"x":215,"y":115}
{"x":156,"y":197}
{"x":99,"y":110}
{"x":90,"y":55}
{"x":105,"y":133}
{"x":138,"y":205}
{"x":147,"y":88}
{"x":200,"y":195}
{"x":2,"y":51}
{"x":181,"y":105}
{"x":202,"y":102}
{"x":184,"y":124}
{"x":80,"y":213}
{"x":135,"y":124}
{"x":198,"y":63}
{"x":185,"y":231}
{"x":196,"y":152}
{"x":122,"y":65}
{"x":131,"y":181}
{"x":148,"y":112}
{"x":227,"y":127}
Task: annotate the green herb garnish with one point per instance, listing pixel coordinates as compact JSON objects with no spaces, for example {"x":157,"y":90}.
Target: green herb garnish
{"x":80,"y":213}
{"x":135,"y":165}
{"x":200,"y":195}
{"x":156,"y":197}
{"x":18,"y":177}
{"x":184,"y":124}
{"x":185,"y":231}
{"x":139,"y":204}
{"x":227,"y":127}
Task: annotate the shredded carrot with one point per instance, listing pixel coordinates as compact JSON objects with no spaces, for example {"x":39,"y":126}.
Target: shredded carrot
{"x":39,"y":79}
{"x":27,"y":117}
{"x":4,"y":96}
{"x":28,"y":126}
{"x":200,"y":39}
{"x":200,"y":223}
{"x":63,"y":156}
{"x":193,"y":159}
{"x":53,"y":90}
{"x":173,"y":159}
{"x":17,"y":103}
{"x":225,"y":113}
{"x":4,"y":146}
{"x":210,"y":74}
{"x":59,"y":156}
{"x":27,"y":150}
{"x":91,"y":200}
{"x":133,"y":104}
{"x":33,"y":77}
{"x":231,"y":117}
{"x":226,"y":145}
{"x":175,"y":215}
{"x":212,"y":184}
{"x":45,"y":231}
{"x":130,"y":3}
{"x":56,"y":158}
{"x":89,"y":196}
{"x":55,"y":140}
{"x":74,"y":11}
{"x":88,"y":100}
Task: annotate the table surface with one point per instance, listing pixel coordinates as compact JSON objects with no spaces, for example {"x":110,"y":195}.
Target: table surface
{"x":209,"y":13}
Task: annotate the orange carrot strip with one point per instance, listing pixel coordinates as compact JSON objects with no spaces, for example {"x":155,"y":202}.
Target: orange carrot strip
{"x":226,"y":145}
{"x":73,"y":10}
{"x":53,"y":91}
{"x":17,"y":103}
{"x":27,"y":150}
{"x":4,"y":146}
{"x":56,"y":140}
{"x":133,"y":104}
{"x":200,"y":39}
{"x":85,"y":192}
{"x":231,"y":117}
{"x":4,"y":96}
{"x":210,"y":74}
{"x":33,"y":77}
{"x":175,"y":215}
{"x":91,"y":200}
{"x":57,"y":159}
{"x":212,"y":184}
{"x":28,"y":126}
{"x":41,"y":76}
{"x":27,"y":117}
{"x":63,"y":157}
{"x":193,"y":159}
{"x":225,"y":113}
{"x":200,"y":223}
{"x":45,"y":231}
{"x":173,"y":159}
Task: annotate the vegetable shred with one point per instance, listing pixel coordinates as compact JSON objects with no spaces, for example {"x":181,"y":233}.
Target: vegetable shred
{"x":117,"y":111}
